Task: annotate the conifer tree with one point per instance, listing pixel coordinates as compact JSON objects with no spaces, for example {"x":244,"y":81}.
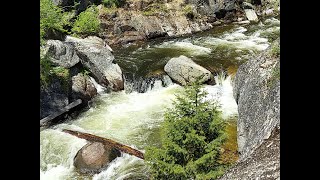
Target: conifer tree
{"x":192,"y":134}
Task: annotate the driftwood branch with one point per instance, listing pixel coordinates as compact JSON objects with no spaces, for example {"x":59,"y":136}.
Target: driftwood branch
{"x":49,"y":119}
{"x":94,"y":138}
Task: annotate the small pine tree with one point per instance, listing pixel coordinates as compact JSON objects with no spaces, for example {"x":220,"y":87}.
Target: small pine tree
{"x":193,"y":132}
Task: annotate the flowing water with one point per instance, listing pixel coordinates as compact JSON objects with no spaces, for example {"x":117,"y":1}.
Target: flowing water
{"x":133,"y":118}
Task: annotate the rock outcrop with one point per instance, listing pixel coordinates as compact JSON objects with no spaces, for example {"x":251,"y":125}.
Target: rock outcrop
{"x":132,"y":26}
{"x":94,"y":157}
{"x":53,"y":97}
{"x":73,"y":56}
{"x":62,"y":53}
{"x":251,"y":15}
{"x":263,"y":163}
{"x":150,"y":19}
{"x":214,"y":7}
{"x":183,"y":70}
{"x":83,"y":87}
{"x":97,"y":57}
{"x":257,"y":93}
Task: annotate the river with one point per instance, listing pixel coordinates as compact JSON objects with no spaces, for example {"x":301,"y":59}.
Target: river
{"x":133,"y":118}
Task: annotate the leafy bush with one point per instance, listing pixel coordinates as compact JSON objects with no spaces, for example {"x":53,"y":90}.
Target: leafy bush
{"x":192,"y":135}
{"x":50,"y":18}
{"x":45,"y":68}
{"x":87,"y":22}
{"x":50,"y":72}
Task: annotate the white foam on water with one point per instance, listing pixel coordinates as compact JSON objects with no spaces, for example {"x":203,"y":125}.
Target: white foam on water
{"x":57,"y":150}
{"x":238,"y":40}
{"x":117,"y":117}
{"x":100,"y":89}
{"x":118,"y":114}
{"x":187,"y":46}
{"x":121,"y":168}
{"x":272,"y":21}
{"x":222,"y":93}
{"x":56,"y":173}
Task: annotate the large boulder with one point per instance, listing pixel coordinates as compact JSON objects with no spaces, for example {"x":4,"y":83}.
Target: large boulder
{"x":53,"y":97}
{"x":62,"y":53}
{"x":256,"y":82}
{"x":83,"y":87}
{"x":183,"y":70}
{"x":94,"y":157}
{"x":251,"y":15}
{"x":263,"y":163}
{"x":257,"y":93}
{"x":97,"y":57}
{"x":151,"y":26}
{"x":211,"y":7}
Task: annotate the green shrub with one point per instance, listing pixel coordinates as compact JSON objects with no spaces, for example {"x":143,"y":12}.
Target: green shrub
{"x":50,"y":18}
{"x":192,"y":135}
{"x":49,"y":72}
{"x":45,"y":68}
{"x":87,"y":23}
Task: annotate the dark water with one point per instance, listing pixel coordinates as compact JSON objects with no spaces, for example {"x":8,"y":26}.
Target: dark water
{"x":216,"y":49}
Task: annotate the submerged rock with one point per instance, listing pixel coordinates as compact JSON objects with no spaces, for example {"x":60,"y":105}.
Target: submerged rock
{"x":183,"y":70}
{"x":94,"y":157}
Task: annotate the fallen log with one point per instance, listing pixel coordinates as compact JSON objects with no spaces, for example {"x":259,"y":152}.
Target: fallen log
{"x":51,"y":118}
{"x":94,"y":138}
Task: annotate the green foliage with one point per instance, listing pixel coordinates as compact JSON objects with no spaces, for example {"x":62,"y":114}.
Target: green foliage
{"x":192,"y":135}
{"x":87,"y":22}
{"x":50,"y":18}
{"x":85,"y":72}
{"x":49,"y":72}
{"x":45,"y":68}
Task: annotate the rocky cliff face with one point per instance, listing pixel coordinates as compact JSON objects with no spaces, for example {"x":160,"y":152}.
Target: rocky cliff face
{"x":78,"y":59}
{"x":257,"y":93}
{"x":141,"y":20}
